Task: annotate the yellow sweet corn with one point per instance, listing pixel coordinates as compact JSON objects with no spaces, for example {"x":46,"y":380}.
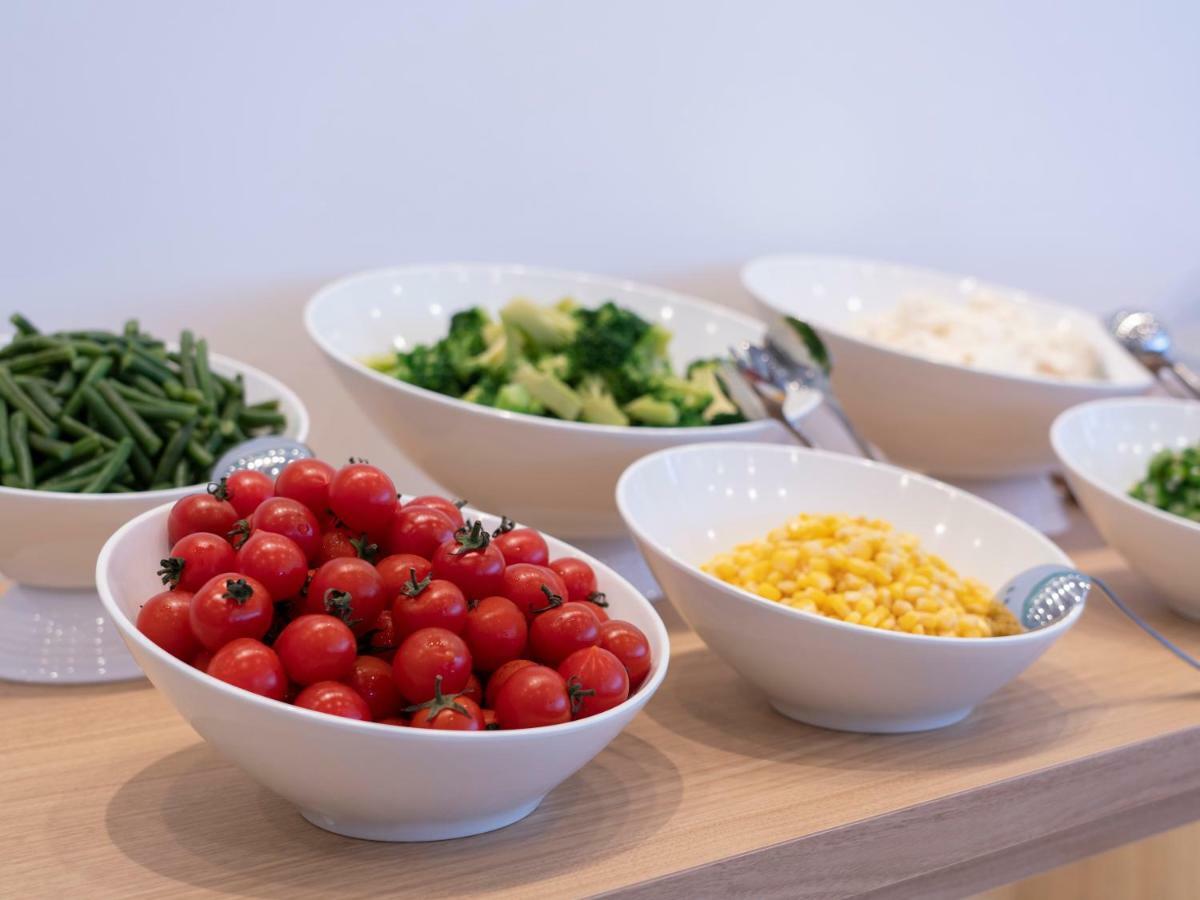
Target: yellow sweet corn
{"x":862,"y":571}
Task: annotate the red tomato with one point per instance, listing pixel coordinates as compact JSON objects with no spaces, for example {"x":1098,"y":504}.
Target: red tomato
{"x":246,"y":489}
{"x":393,"y":720}
{"x":520,"y":545}
{"x":579,"y":578}
{"x":195,"y":559}
{"x":559,"y":632}
{"x":596,"y":679}
{"x":164,"y":619}
{"x":628,"y":643}
{"x":489,"y":720}
{"x":200,"y":512}
{"x":400,"y":568}
{"x":350,"y":589}
{"x":336,"y":543}
{"x":335,"y":699}
{"x":316,"y":648}
{"x":363,"y":497}
{"x":202,"y":659}
{"x":426,"y":654}
{"x":276,"y":561}
{"x":230,"y":606}
{"x":452,"y":509}
{"x":471,"y":561}
{"x":418,"y":530}
{"x":448,"y":712}
{"x":501,"y":675}
{"x":306,"y":481}
{"x":252,"y":666}
{"x":293,"y":520}
{"x":495,"y":632}
{"x":473,"y":690}
{"x":533,"y":588}
{"x":372,"y":679}
{"x":428,"y":603}
{"x":532,"y":697}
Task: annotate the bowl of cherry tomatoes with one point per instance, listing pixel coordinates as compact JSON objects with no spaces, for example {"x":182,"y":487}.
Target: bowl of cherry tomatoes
{"x":348,"y":647}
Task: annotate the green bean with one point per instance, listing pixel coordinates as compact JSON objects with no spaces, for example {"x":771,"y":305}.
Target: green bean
{"x":149,"y":386}
{"x":65,"y":385}
{"x":23,"y":344}
{"x":44,"y":398}
{"x":250,"y":419}
{"x":204,"y":379}
{"x":7,"y":462}
{"x":16,"y":396}
{"x":115,"y":460}
{"x":173,"y":452}
{"x":183,"y":474}
{"x":129,"y":392}
{"x":97,"y":369}
{"x":89,"y":348}
{"x":50,"y":356}
{"x":18,"y":438}
{"x":199,"y":456}
{"x":75,"y":428}
{"x":105,"y":419}
{"x":132,"y":328}
{"x":82,"y":449}
{"x":22,"y":324}
{"x":57,"y":449}
{"x":11,"y":479}
{"x":142,"y":433}
{"x":267,"y":405}
{"x":159,"y":410}
{"x":187,"y":361}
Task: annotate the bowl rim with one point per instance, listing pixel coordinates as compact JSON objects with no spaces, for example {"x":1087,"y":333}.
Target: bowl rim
{"x":634,"y":469}
{"x":737,"y":429}
{"x":1065,"y":420}
{"x":1080,"y":385}
{"x":286,"y":394}
{"x":633,"y":703}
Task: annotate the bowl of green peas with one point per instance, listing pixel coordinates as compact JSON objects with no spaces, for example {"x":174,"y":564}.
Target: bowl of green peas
{"x":1134,"y":465}
{"x":98,"y":426}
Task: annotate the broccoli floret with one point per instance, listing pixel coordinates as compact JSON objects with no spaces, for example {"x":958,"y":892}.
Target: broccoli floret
{"x":652,"y":411}
{"x":598,"y":405}
{"x":555,"y":364}
{"x":516,"y":397}
{"x":547,"y":327}
{"x":606,"y":338}
{"x":428,"y":367}
{"x":465,"y":340}
{"x":721,"y":410}
{"x":551,"y":392}
{"x":483,"y":391}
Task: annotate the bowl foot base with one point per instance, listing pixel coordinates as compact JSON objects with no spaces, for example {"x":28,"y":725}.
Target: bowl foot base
{"x":59,"y":636}
{"x":375,"y":831}
{"x":867,"y":724}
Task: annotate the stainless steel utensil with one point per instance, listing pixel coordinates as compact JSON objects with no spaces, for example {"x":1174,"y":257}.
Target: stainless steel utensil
{"x":1144,"y":336}
{"x":267,"y":454}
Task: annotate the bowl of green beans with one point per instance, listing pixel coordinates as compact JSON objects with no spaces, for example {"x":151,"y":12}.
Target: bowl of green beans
{"x":98,"y":426}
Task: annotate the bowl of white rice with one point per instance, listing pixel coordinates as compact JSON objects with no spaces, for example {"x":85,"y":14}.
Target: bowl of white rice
{"x":944,"y":373}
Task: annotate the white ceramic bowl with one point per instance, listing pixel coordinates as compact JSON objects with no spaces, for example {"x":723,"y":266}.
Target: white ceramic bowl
{"x":61,"y":533}
{"x":949,"y":420}
{"x":553,"y":474}
{"x":685,"y":505}
{"x":361,"y":779}
{"x":1105,"y":448}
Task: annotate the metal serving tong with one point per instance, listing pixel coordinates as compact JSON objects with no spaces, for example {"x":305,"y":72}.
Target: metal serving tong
{"x":1147,"y":339}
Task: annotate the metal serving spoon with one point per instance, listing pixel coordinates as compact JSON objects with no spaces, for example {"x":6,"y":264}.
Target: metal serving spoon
{"x":267,"y":454}
{"x":1049,"y":592}
{"x":1143,"y":335}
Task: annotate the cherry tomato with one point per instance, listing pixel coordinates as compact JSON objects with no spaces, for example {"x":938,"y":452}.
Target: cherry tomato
{"x":600,"y":679}
{"x":396,"y":571}
{"x":393,"y":720}
{"x":276,"y":561}
{"x":372,"y":679}
{"x":306,"y":481}
{"x":495,"y":632}
{"x":521,"y":545}
{"x":532,"y":588}
{"x":293,"y":520}
{"x":532,"y":697}
{"x":471,"y":561}
{"x":335,"y":699}
{"x":426,"y":654}
{"x":230,"y":606}
{"x":316,"y":648}
{"x":202,"y":659}
{"x":252,"y":666}
{"x":381,"y":640}
{"x":350,"y":589}
{"x":337,"y":543}
{"x":489,"y":720}
{"x":246,"y":489}
{"x":196,"y":558}
{"x":164,"y":619}
{"x":559,"y":632}
{"x":429,"y":603}
{"x":579,"y":578}
{"x":452,"y":509}
{"x":363,"y":497}
{"x":473,"y":690}
{"x":200,"y":512}
{"x":628,"y":643}
{"x":501,"y":675}
{"x":448,"y":712}
{"x":418,"y":530}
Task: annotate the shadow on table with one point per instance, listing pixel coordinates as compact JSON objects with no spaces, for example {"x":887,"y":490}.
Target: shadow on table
{"x":195,"y":819}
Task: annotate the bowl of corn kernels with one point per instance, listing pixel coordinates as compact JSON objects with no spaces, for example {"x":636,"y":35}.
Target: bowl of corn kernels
{"x":856,"y":595}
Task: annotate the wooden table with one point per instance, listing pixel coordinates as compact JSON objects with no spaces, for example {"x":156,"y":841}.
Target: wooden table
{"x":105,"y":792}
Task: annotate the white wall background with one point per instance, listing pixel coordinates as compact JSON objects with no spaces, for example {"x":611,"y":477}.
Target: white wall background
{"x":210,"y":163}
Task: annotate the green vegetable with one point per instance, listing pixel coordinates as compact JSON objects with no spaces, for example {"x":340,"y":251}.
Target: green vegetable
{"x":1172,"y":482}
{"x":567,"y":362}
{"x":18,"y":438}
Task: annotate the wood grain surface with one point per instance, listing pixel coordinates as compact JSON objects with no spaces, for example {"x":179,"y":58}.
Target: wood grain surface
{"x":106,"y":793}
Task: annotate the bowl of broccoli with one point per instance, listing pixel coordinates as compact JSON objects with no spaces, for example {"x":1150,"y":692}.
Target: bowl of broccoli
{"x":529,"y":390}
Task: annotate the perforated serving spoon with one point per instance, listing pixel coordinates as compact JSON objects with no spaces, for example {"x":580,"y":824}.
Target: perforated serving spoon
{"x":1048,"y":593}
{"x":267,"y":454}
{"x":1147,"y":338}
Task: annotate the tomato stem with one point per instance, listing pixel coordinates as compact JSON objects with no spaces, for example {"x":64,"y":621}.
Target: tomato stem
{"x":506,"y":525}
{"x":413,"y":587}
{"x":576,"y":691}
{"x":220,"y":489}
{"x":238,"y":533}
{"x":340,"y":604}
{"x":172,"y":570}
{"x":552,"y":600}
{"x":471,"y":537}
{"x":440,"y":702}
{"x":364,"y":548}
{"x":239,"y":591}
{"x":598,"y":597}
